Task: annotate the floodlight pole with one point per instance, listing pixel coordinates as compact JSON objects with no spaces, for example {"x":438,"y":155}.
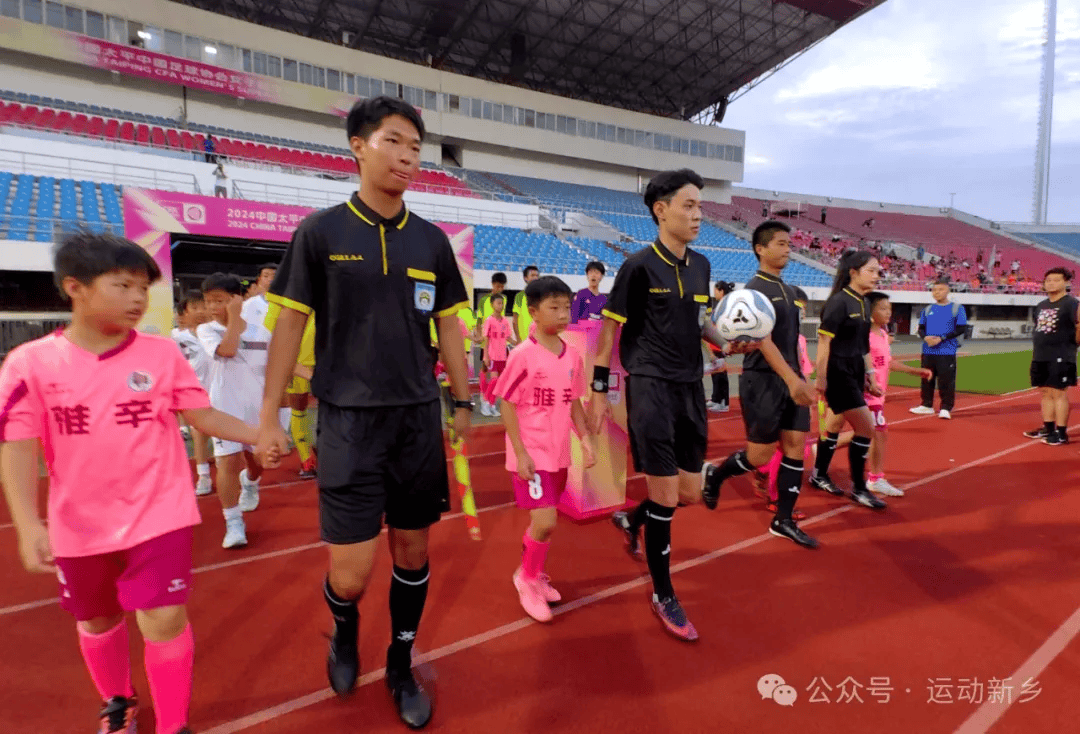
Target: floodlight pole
{"x":1046,"y":114}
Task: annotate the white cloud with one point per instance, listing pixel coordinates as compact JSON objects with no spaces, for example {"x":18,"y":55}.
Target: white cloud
{"x":916,"y":99}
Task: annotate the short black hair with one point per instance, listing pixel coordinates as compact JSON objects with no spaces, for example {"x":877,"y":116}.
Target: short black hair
{"x":525,"y":272}
{"x":800,"y":296}
{"x":223,"y":282}
{"x":189,"y":297}
{"x":943,"y":280}
{"x":499,"y":278}
{"x":544,"y":287}
{"x":1062,"y":271}
{"x":596,"y":265}
{"x":85,"y":256}
{"x":366,"y":116}
{"x":498,"y":296}
{"x":724,"y":285}
{"x":764,"y":232}
{"x":663,"y":187}
{"x":876,"y":297}
{"x":267,"y":266}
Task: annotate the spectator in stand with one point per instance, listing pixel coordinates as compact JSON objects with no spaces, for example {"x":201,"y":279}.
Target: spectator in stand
{"x":208,"y":148}
{"x":869,"y":223}
{"x":220,"y":190}
{"x":823,"y":213}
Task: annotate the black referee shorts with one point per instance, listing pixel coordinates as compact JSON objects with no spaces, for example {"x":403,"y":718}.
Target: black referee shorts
{"x":376,"y":462}
{"x":767,"y":407}
{"x":845,"y":380}
{"x":669,"y":428}
{"x":1057,"y":374}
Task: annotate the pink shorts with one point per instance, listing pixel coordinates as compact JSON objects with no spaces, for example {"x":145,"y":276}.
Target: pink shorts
{"x":498,"y":366}
{"x":545,"y":490}
{"x":155,"y":573}
{"x":877,"y":412}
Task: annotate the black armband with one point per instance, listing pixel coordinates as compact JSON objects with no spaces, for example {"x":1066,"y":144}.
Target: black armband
{"x":600,"y":378}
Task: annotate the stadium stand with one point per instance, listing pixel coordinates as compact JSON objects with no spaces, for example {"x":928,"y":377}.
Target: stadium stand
{"x":1061,"y":240}
{"x":163,"y":133}
{"x":505,"y":248}
{"x":35,"y":210}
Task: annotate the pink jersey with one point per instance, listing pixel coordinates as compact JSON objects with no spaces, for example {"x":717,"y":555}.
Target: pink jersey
{"x":881,"y":357}
{"x":497,"y":332}
{"x":804,"y":357}
{"x":542,"y":387}
{"x":118,"y":468}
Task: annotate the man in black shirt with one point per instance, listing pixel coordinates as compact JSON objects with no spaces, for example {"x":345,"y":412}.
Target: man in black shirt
{"x":661,"y":298}
{"x":1053,"y":358}
{"x":374,"y":274}
{"x":773,"y":391}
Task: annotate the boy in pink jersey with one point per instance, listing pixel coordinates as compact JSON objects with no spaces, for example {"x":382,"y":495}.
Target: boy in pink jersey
{"x":540,"y":393}
{"x":496,"y":331}
{"x":101,"y":399}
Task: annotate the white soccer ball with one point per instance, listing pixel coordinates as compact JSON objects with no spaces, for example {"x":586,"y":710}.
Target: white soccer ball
{"x":744,"y":315}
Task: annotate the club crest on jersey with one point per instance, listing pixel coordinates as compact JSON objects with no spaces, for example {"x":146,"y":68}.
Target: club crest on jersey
{"x":140,"y":381}
{"x":424,"y":297}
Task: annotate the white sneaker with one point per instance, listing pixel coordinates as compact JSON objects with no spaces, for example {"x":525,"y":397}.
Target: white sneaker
{"x":717,"y":407}
{"x":922,"y":410}
{"x":203,"y":486}
{"x":944,"y":414}
{"x":235,"y":534}
{"x":249,"y":493}
{"x":883,"y":487}
{"x":485,"y":408}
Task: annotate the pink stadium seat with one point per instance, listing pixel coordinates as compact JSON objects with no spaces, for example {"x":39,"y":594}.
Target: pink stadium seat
{"x":9,"y":112}
{"x":27,"y":115}
{"x":45,"y":118}
{"x":157,"y":137}
{"x":127,"y":131}
{"x":142,"y":134}
{"x":173,"y":137}
{"x":63,"y":121}
{"x":79,"y":124}
{"x":187,"y":140}
{"x":112,"y":129}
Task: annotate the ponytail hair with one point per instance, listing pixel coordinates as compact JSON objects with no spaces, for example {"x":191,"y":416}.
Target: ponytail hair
{"x":850,"y":260}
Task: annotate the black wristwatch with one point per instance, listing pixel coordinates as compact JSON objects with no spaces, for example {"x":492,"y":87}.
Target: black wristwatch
{"x":599,"y":386}
{"x":466,"y":404}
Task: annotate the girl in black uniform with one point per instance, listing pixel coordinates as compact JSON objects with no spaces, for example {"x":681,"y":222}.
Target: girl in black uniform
{"x":844,"y":371}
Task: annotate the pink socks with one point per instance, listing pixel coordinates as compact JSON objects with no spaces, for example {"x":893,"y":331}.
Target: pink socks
{"x":168,"y":668}
{"x":533,"y":556}
{"x":108,"y":661}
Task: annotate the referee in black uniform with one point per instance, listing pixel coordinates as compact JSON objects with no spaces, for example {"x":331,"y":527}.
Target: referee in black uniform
{"x":844,"y":371}
{"x":773,"y":391}
{"x":1053,"y":358}
{"x":661,"y":297}
{"x":375,"y":275}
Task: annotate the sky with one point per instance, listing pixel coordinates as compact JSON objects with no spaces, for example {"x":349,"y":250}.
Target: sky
{"x":918,"y":99}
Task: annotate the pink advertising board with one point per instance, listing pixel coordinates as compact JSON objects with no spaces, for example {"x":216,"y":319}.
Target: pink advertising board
{"x":152,"y":217}
{"x":601,"y":489}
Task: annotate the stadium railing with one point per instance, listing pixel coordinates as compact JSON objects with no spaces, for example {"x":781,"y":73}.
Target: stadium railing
{"x":42,"y":164}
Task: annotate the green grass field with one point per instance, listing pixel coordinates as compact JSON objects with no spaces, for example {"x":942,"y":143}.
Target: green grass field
{"x":986,"y":374}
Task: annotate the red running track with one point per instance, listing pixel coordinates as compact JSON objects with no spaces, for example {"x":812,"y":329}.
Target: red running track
{"x":973,"y":576}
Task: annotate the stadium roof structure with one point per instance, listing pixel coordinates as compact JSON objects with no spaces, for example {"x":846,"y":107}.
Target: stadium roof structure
{"x":674,"y":58}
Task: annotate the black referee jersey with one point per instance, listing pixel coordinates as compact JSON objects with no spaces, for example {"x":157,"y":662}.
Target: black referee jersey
{"x":662,"y":302}
{"x":785,"y":333}
{"x":845,"y":318}
{"x":374,"y":284}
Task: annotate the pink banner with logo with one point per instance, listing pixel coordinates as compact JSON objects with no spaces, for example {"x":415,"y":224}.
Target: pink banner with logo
{"x":43,"y":40}
{"x":152,"y":217}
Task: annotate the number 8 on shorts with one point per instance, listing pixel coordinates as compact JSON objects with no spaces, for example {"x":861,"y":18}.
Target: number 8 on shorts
{"x":543,"y":490}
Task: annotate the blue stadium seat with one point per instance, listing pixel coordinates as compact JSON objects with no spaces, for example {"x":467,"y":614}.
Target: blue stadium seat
{"x":44,"y":213}
{"x":1067,"y":240}
{"x":20,"y":208}
{"x":509,"y":249}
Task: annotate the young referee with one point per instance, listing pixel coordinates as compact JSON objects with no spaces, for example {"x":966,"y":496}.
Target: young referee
{"x":775,"y":395}
{"x":1053,"y":358}
{"x":661,"y":297}
{"x":374,"y":274}
{"x":845,"y":372}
